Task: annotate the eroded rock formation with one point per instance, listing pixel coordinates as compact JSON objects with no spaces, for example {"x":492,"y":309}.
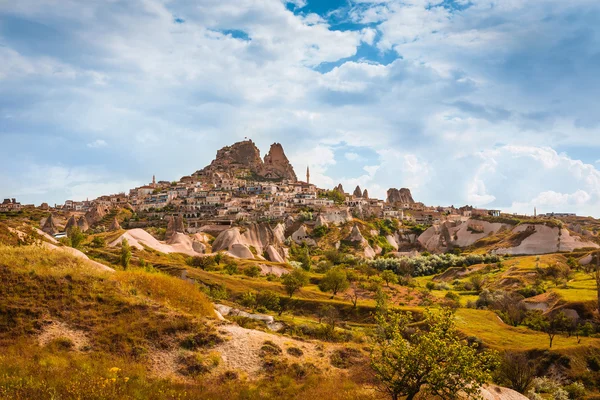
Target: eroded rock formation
{"x":49,"y":226}
{"x":399,"y":196}
{"x":245,"y":157}
{"x":276,"y":165}
{"x":357,"y":192}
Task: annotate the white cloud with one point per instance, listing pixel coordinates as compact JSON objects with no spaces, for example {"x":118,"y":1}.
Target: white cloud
{"x":96,"y":144}
{"x":458,"y":119}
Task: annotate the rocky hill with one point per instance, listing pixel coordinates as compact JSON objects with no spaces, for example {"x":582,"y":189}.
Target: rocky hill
{"x":243,"y":158}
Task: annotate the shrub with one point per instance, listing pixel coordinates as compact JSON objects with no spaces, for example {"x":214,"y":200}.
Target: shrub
{"x":231,"y":269}
{"x":253,"y":271}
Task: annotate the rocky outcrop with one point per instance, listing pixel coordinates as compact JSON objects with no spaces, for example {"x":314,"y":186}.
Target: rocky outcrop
{"x":493,"y":392}
{"x":524,"y":239}
{"x":339,"y":188}
{"x":276,"y":165}
{"x":336,"y":217}
{"x":273,"y":254}
{"x":259,"y":236}
{"x":321,"y":221}
{"x":542,"y":239}
{"x":115,"y":226}
{"x":174,"y":225}
{"x":357,"y":192}
{"x":356,"y":238}
{"x":241,"y":251}
{"x":71,"y":223}
{"x":49,"y":227}
{"x":83,"y":224}
{"x":302,"y":236}
{"x":365,"y":194}
{"x":399,"y":196}
{"x":245,"y":156}
{"x":355,"y":235}
{"x":448,"y":235}
{"x":95,"y":215}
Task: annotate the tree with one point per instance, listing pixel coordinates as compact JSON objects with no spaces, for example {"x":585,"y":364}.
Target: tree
{"x":99,"y":242}
{"x":76,"y":236}
{"x":434,"y":361}
{"x":389,"y":277}
{"x":335,"y":280}
{"x":353,"y":295}
{"x":125,"y":254}
{"x":516,"y":371}
{"x":294,"y":281}
{"x":551,"y":324}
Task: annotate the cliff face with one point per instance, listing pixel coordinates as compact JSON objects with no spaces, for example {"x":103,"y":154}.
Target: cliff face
{"x":276,"y":164}
{"x":399,"y":196}
{"x":246,"y":156}
{"x":241,"y":155}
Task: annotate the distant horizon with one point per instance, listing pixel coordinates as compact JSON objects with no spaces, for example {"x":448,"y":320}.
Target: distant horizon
{"x":486,"y":103}
{"x":348,"y":190}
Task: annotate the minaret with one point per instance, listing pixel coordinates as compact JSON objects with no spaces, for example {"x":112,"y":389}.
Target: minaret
{"x":153,"y":181}
{"x":307,"y":175}
{"x":534,"y":212}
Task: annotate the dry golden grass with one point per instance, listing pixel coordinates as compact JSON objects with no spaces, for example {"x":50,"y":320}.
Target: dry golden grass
{"x":45,"y":262}
{"x":170,"y":291}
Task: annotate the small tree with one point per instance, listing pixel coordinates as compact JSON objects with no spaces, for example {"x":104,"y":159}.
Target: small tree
{"x":125,"y":254}
{"x":335,"y":280}
{"x":389,"y":277}
{"x":516,"y":371}
{"x":99,"y":242}
{"x":353,"y":295}
{"x":76,"y":236}
{"x":294,"y":281}
{"x":433,"y":361}
{"x":552,"y":324}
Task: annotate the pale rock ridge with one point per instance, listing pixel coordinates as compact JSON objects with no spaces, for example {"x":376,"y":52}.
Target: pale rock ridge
{"x":259,"y":236}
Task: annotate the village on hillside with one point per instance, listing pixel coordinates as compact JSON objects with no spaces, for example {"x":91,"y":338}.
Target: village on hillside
{"x":239,"y":186}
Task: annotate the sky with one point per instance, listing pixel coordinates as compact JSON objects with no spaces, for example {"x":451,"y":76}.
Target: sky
{"x":493,"y":103}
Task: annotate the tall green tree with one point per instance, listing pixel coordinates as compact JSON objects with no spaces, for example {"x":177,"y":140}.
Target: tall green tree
{"x":429,"y":359}
{"x":294,"y":281}
{"x":335,"y":280}
{"x":125,"y":254}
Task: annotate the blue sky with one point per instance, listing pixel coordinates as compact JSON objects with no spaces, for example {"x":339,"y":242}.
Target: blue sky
{"x":484,"y":102}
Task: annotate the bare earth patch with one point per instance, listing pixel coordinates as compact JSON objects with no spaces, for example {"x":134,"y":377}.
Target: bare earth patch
{"x":59,"y":330}
{"x":242,"y":348}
